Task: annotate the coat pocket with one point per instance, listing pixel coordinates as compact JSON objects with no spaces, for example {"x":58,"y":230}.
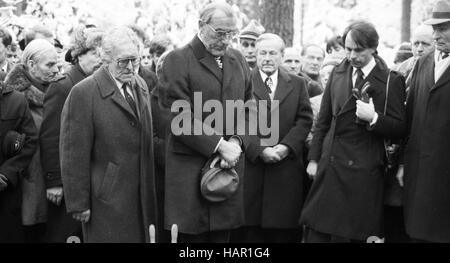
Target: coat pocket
{"x":107,"y":185}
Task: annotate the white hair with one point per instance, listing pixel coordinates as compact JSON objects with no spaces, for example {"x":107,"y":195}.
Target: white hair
{"x":115,"y":37}
{"x":36,"y":49}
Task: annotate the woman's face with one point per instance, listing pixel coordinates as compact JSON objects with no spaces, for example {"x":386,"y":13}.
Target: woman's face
{"x":146,"y":58}
{"x":90,"y":61}
{"x":45,"y":69}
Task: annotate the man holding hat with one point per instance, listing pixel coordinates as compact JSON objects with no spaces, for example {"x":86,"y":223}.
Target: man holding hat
{"x":247,"y":39}
{"x":426,"y":169}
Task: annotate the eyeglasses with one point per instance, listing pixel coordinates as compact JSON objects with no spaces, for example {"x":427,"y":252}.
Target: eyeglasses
{"x":222,"y":34}
{"x":123,"y":63}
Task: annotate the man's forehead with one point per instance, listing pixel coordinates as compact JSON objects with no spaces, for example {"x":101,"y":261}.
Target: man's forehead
{"x":220,"y":20}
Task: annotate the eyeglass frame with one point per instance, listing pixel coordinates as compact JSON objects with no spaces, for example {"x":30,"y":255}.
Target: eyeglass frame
{"x":222,"y":34}
{"x":128,"y":60}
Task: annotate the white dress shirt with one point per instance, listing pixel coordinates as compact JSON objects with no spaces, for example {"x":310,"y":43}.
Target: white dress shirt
{"x":366,"y":71}
{"x":274,"y":78}
{"x":440,"y":65}
{"x":119,"y":85}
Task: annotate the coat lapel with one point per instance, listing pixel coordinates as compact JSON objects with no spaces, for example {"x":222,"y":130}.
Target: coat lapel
{"x":205,"y":58}
{"x":284,"y":86}
{"x":443,"y":80}
{"x":229,"y":67}
{"x":108,"y":86}
{"x":259,"y":90}
{"x":342,"y":88}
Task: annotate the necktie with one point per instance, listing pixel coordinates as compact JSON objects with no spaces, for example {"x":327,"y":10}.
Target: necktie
{"x":269,"y":84}
{"x":359,"y":79}
{"x":219,"y":62}
{"x":444,"y":55}
{"x":129,"y":99}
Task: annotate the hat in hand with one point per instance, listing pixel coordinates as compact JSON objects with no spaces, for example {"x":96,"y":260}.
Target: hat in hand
{"x":218,"y":184}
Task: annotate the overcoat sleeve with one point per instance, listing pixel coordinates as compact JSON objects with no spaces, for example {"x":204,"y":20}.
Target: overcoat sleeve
{"x":49,"y":135}
{"x":76,"y":139}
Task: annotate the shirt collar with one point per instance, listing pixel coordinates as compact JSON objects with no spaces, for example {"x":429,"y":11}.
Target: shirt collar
{"x":437,"y":56}
{"x":274,"y":76}
{"x":367,"y":68}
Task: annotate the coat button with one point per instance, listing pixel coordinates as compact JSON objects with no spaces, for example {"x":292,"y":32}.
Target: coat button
{"x":350,"y":163}
{"x":332,"y":158}
{"x":132,"y":124}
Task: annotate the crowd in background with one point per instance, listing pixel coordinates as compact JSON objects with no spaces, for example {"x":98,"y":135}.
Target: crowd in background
{"x":87,"y":151}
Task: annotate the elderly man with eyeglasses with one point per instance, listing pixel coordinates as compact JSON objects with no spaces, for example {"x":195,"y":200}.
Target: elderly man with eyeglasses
{"x":106,"y":147}
{"x":210,"y":67}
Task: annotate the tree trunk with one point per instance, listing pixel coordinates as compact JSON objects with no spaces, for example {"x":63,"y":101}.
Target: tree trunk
{"x":277,"y":17}
{"x":406,"y":20}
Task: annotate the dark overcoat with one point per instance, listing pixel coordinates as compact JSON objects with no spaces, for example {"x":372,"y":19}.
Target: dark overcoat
{"x":60,"y":225}
{"x":427,"y":169}
{"x":273,"y":193}
{"x":34,"y":202}
{"x":107,"y":159}
{"x":346,"y":198}
{"x":185,"y":71}
{"x":15,"y":115}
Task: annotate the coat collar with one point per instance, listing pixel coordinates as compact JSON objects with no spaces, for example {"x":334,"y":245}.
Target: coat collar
{"x":107,"y":87}
{"x":445,"y":77}
{"x":284,"y":86}
{"x":18,"y":79}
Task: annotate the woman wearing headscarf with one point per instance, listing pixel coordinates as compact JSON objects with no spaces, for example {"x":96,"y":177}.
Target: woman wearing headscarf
{"x":85,"y":59}
{"x":32,"y":77}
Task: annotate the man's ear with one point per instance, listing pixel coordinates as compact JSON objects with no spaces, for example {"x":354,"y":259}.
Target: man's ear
{"x":31,"y":64}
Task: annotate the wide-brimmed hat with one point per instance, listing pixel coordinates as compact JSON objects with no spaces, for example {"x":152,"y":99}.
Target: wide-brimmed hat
{"x":441,"y":13}
{"x":252,"y":31}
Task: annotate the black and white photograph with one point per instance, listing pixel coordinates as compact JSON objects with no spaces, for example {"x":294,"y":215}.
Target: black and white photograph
{"x":230,"y":122}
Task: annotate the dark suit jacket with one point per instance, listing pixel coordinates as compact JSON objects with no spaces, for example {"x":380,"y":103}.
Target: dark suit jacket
{"x":273,"y":193}
{"x":185,"y":71}
{"x":54,"y":100}
{"x":346,"y":198}
{"x":107,"y":162}
{"x":427,"y":169}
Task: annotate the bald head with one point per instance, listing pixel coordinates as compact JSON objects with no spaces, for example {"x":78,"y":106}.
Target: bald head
{"x":40,"y":59}
{"x":422,"y":40}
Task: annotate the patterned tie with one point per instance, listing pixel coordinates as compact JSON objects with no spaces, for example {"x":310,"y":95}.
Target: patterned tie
{"x":269,"y":84}
{"x":219,"y":62}
{"x":359,"y":79}
{"x":129,"y":99}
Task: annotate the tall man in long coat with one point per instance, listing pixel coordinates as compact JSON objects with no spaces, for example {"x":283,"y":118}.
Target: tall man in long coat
{"x":347,"y":151}
{"x":210,"y":68}
{"x":427,"y":170}
{"x":273,"y":189}
{"x":106,"y":147}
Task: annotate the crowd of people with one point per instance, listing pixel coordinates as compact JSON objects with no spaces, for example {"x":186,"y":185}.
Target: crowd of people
{"x":92,"y":149}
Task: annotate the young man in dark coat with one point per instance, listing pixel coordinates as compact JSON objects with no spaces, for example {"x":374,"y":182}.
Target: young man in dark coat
{"x":347,"y":154}
{"x":273,"y":182}
{"x":208,"y":66}
{"x":427,"y":169}
{"x":85,"y":59}
{"x":14,"y":116}
{"x":106,"y":147}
